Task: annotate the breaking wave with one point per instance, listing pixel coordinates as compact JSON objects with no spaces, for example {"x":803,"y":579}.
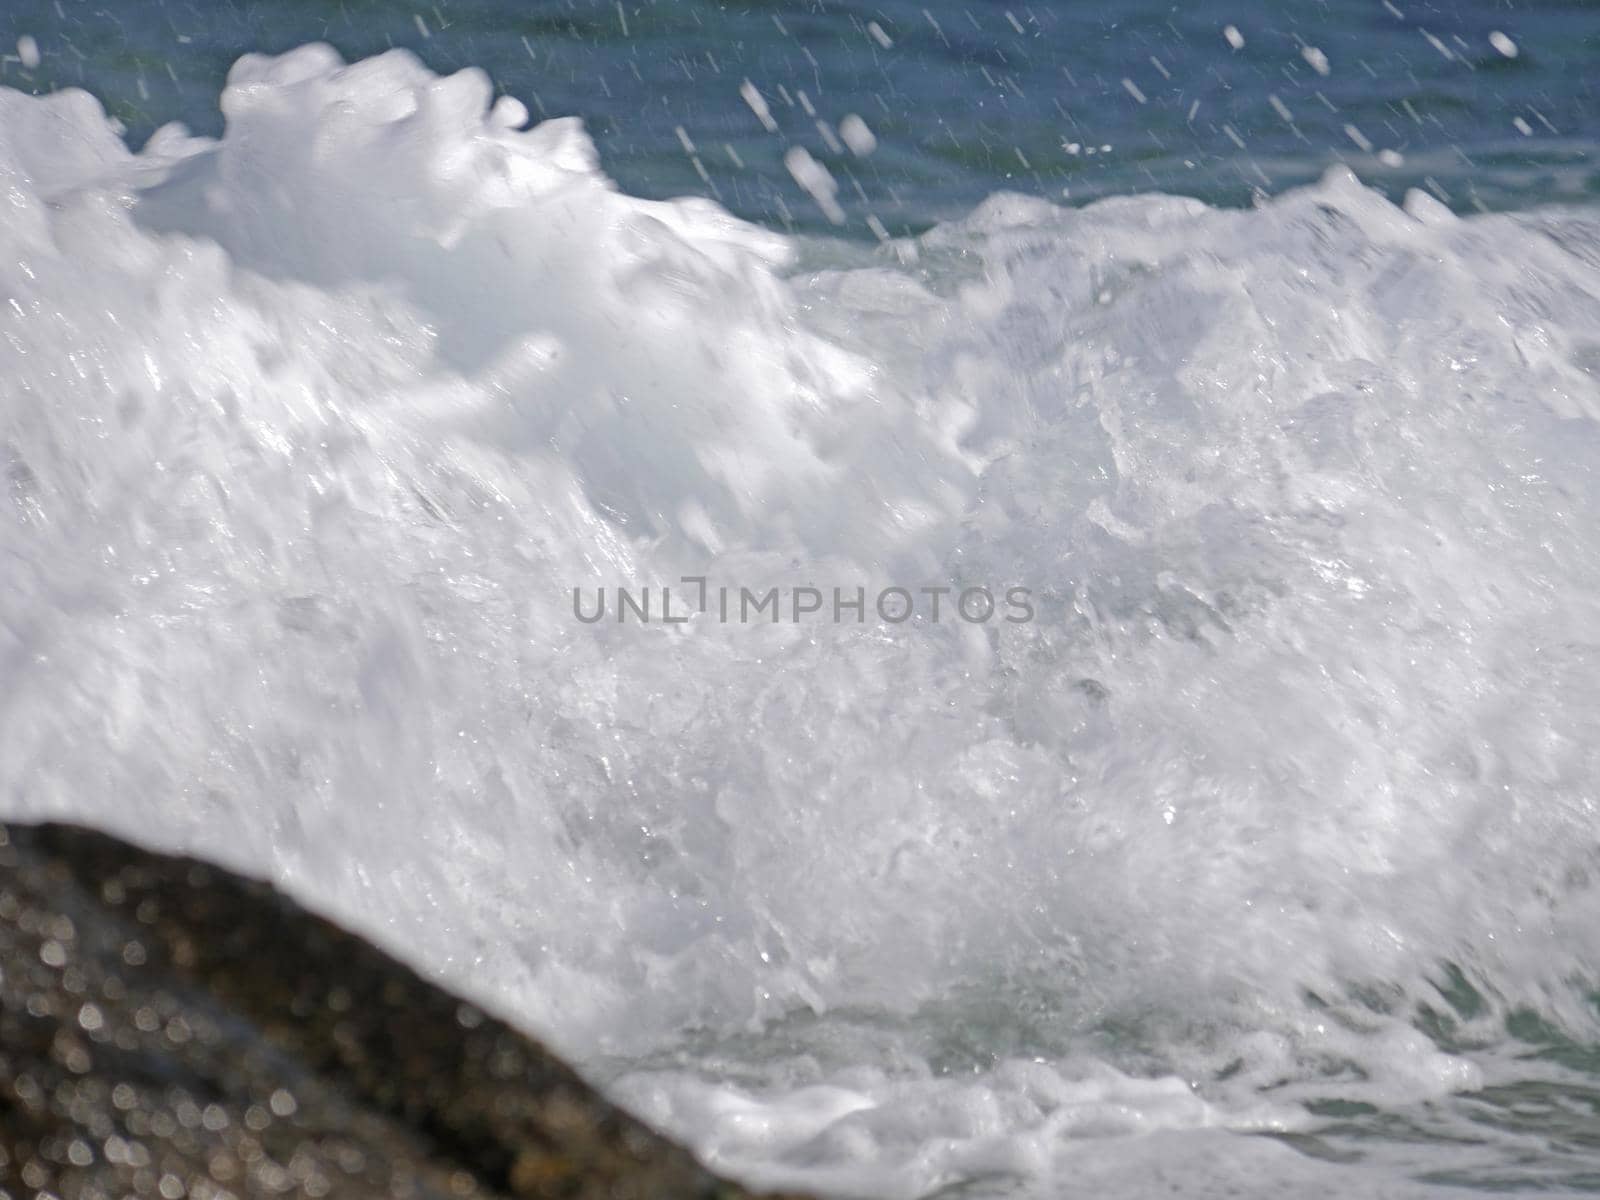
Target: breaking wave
{"x":1279,"y":815}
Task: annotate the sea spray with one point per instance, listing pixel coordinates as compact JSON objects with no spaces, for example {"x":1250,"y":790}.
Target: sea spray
{"x":1283,"y":802}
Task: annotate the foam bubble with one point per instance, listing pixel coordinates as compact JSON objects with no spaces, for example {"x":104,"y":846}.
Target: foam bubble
{"x":861,"y":140}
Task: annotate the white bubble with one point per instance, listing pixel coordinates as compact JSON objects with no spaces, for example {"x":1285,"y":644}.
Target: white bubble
{"x":758,"y":105}
{"x":1234,"y":37}
{"x":816,"y":180}
{"x":28,"y":51}
{"x":1503,"y":44}
{"x":861,"y":140}
{"x":1316,"y":59}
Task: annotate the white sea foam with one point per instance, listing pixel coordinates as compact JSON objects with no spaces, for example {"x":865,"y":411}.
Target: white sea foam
{"x":307,"y":435}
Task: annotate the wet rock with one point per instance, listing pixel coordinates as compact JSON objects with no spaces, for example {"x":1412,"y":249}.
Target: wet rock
{"x":168,"y":1029}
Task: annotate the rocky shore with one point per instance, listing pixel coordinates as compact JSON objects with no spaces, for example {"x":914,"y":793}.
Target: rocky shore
{"x":169,"y":1029}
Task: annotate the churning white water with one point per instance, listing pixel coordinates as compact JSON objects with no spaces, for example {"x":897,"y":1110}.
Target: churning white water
{"x":1279,"y":816}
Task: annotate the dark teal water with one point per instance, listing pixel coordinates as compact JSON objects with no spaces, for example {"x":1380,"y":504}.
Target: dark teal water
{"x":967,"y":99}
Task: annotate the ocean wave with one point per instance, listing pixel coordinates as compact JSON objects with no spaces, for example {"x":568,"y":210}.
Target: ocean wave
{"x":1284,"y":796}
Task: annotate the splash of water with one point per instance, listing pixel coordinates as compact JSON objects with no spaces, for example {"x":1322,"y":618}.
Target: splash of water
{"x":1284,"y":799}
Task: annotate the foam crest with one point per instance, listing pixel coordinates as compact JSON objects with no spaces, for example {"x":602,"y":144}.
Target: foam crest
{"x":1283,"y":798}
